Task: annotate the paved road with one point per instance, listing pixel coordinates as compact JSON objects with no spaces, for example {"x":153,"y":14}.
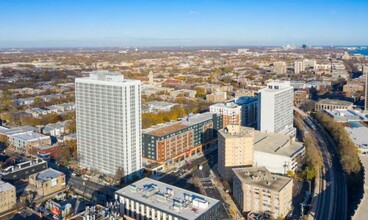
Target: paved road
{"x":210,"y":189}
{"x":332,"y":199}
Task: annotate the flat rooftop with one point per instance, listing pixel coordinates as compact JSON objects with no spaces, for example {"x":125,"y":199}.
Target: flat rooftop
{"x":197,"y":118}
{"x":262,"y":178}
{"x":6,"y":186}
{"x":276,"y":144}
{"x":17,"y":130}
{"x":165,"y":129}
{"x":48,"y":174}
{"x":225,"y":105}
{"x":170,"y":199}
{"x":236,"y":131}
{"x":359,"y":135}
{"x":276,"y":86}
{"x":334,"y":102}
{"x":30,"y":136}
{"x":344,"y":115}
{"x":171,"y":127}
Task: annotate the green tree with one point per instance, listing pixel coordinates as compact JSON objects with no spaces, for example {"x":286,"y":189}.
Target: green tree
{"x":37,"y":100}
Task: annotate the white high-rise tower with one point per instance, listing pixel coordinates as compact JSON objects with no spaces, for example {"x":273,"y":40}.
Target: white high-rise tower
{"x":109,"y":123}
{"x":275,"y":108}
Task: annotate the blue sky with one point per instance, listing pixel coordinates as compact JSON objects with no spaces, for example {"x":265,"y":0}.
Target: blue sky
{"x":52,"y":23}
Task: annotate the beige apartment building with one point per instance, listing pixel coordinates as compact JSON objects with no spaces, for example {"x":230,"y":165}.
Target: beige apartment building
{"x":256,"y":190}
{"x":279,"y":67}
{"x":216,"y":97}
{"x":7,"y":197}
{"x":235,"y":149}
{"x":47,"y":182}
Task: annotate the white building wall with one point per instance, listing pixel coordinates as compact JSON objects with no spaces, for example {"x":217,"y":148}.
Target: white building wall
{"x":109,"y":124}
{"x":273,"y":162}
{"x":275,"y":107}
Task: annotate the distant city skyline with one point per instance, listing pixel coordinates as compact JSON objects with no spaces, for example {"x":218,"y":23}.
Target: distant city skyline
{"x":111,"y":23}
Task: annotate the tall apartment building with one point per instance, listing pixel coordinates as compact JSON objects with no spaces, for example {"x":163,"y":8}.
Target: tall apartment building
{"x":8,"y":197}
{"x":235,"y":149}
{"x":275,"y":108}
{"x":172,"y":142}
{"x":309,"y":64}
{"x":249,"y":109}
{"x":256,"y":190}
{"x":151,"y":199}
{"x":109,"y":123}
{"x":240,"y":111}
{"x":298,"y":67}
{"x":279,"y":67}
{"x":231,"y":113}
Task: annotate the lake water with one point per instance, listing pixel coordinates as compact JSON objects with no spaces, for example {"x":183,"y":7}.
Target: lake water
{"x":362,"y":52}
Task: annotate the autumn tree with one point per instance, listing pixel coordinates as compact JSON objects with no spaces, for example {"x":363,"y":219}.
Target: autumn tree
{"x":348,"y":151}
{"x":119,"y":174}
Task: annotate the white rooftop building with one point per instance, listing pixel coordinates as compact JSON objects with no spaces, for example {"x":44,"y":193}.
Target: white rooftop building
{"x":152,"y":199}
{"x":277,"y":152}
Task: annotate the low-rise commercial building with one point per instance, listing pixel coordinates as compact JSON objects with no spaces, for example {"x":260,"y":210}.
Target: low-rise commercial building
{"x":256,"y":190}
{"x":151,"y":199}
{"x":347,"y":115}
{"x":277,"y":152}
{"x":330,"y":104}
{"x":8,"y":197}
{"x":235,"y":149}
{"x":28,"y":140}
{"x":358,"y":134}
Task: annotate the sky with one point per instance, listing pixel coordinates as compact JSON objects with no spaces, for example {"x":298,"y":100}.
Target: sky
{"x":125,"y":23}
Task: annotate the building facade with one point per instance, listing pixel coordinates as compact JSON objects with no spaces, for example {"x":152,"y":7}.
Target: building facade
{"x":256,"y":190}
{"x":235,"y":149}
{"x":8,"y":197}
{"x":27,"y":141}
{"x":275,"y":108}
{"x":151,"y":199}
{"x":216,"y":97}
{"x":175,"y":141}
{"x":298,"y":67}
{"x":109,"y":123}
{"x":277,"y":152}
{"x":331,"y":104}
{"x":48,"y":182}
{"x":249,"y":110}
{"x":300,"y":97}
{"x":279,"y":67}
{"x":231,"y":113}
